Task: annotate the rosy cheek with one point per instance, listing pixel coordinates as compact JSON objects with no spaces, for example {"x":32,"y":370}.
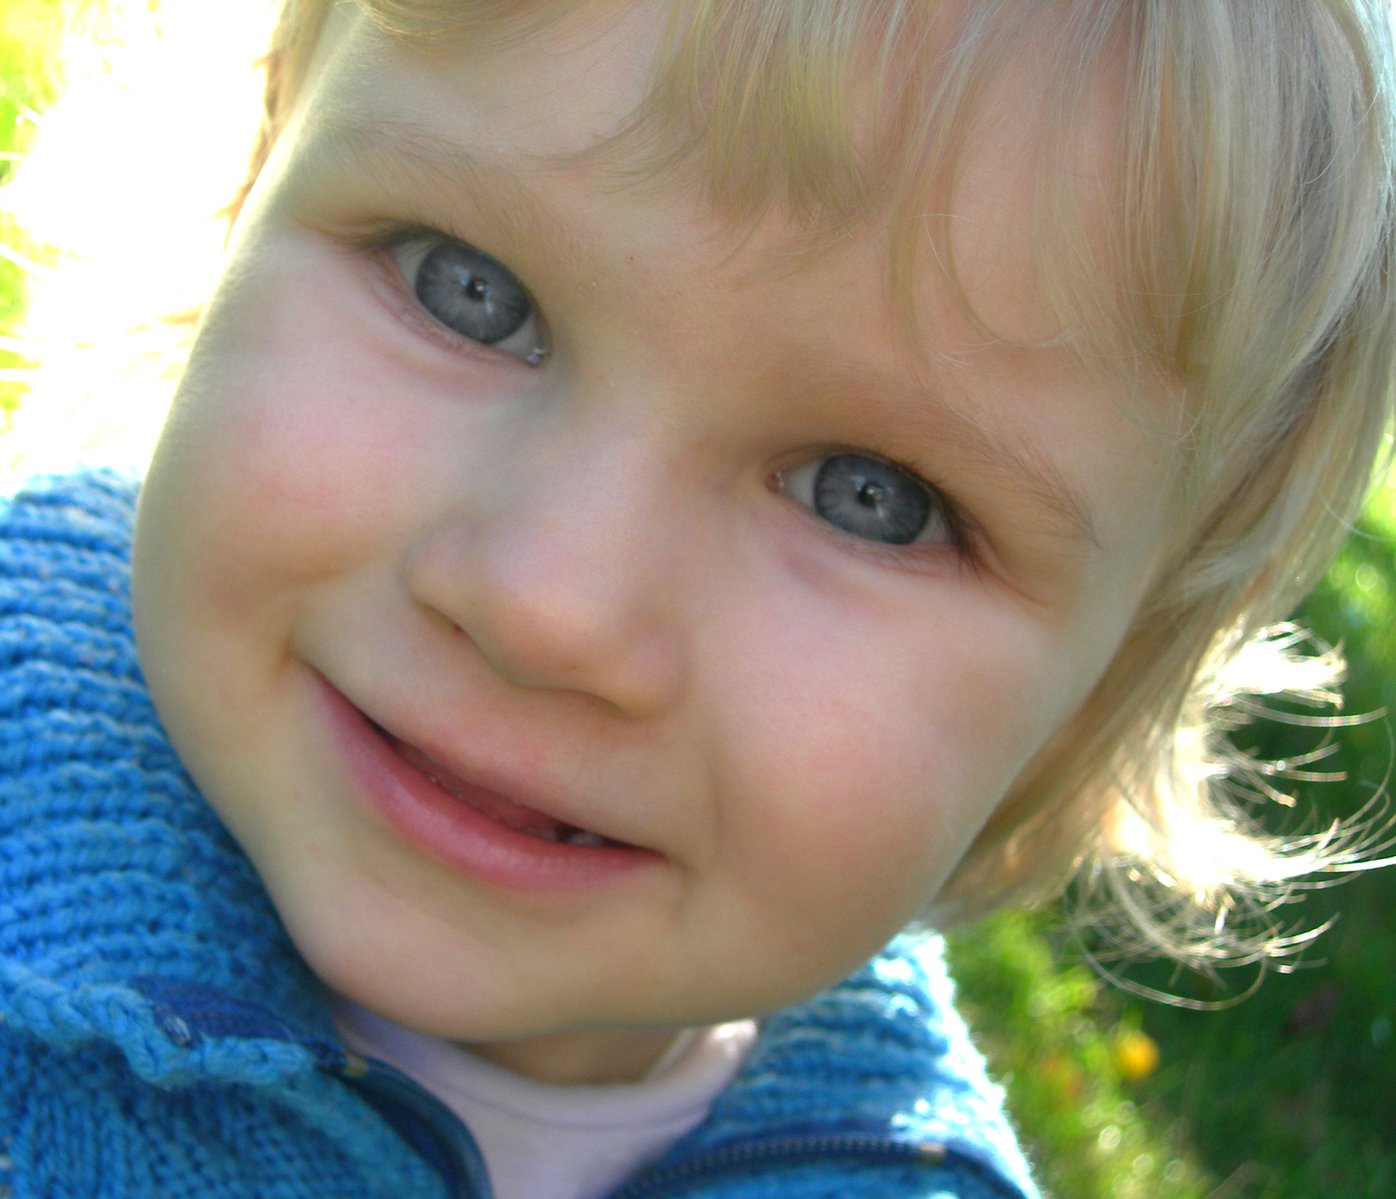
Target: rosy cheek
{"x":878,"y":751}
{"x":292,"y":446}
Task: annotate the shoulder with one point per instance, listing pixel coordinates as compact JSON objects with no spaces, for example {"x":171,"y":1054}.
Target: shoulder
{"x":64,"y":555}
{"x":67,"y":654}
{"x":878,"y":1071}
{"x":93,"y":509}
{"x":46,"y":516}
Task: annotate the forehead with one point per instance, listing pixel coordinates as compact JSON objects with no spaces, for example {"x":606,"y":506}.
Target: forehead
{"x":876,"y":122}
{"x":829,"y":109}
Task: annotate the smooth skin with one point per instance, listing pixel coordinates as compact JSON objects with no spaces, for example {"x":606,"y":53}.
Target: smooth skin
{"x":596,"y":562}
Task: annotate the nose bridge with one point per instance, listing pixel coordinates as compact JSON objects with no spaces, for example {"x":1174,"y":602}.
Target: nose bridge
{"x":587,"y":491}
{"x":577,"y":508}
{"x":556,"y":563}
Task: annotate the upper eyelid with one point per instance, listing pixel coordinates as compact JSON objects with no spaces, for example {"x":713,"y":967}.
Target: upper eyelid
{"x":384,"y":234}
{"x":432,"y":173}
{"x":390,"y":235}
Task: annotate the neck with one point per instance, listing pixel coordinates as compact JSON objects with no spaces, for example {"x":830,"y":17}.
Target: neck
{"x":594,"y":1057}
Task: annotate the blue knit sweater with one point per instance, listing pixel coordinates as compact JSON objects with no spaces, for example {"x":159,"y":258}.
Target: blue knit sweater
{"x":159,"y":1036}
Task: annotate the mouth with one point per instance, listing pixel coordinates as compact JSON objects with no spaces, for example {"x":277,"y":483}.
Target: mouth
{"x":472,"y":823}
{"x":495,"y":806}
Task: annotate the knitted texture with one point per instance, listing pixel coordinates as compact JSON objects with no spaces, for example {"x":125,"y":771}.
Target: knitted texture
{"x":111,"y":869}
{"x":114,"y":871}
{"x":159,"y":1035}
{"x":884,"y":1053}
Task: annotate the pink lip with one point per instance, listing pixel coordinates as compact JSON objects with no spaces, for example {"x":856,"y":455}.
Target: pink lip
{"x":444,"y":827}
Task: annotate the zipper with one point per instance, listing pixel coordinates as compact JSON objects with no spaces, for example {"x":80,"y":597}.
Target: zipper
{"x":446,"y":1144}
{"x":803,"y":1149}
{"x":186,"y":1012}
{"x":428,"y":1126}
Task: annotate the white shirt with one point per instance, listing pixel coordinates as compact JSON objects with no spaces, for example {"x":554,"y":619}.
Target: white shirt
{"x":545,"y":1141}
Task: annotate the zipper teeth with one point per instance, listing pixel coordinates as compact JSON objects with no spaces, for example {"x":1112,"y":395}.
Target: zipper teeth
{"x":783,"y":1150}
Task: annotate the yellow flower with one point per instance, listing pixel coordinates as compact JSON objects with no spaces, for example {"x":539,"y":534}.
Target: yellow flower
{"x":1136,"y":1056}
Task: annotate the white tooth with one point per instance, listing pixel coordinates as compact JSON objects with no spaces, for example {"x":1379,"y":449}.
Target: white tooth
{"x":582,"y":837}
{"x":442,"y":783}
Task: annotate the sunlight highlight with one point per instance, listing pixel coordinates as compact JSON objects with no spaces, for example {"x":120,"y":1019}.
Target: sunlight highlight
{"x":120,"y":198}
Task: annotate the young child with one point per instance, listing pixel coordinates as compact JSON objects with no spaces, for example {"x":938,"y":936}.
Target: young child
{"x":664,"y":498}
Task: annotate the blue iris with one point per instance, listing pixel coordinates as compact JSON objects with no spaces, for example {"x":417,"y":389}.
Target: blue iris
{"x":470,"y":292}
{"x":872,"y":499}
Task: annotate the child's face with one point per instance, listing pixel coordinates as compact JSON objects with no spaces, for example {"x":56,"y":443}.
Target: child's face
{"x":659,"y":587}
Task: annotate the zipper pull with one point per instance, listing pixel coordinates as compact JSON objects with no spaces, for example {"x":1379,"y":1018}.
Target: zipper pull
{"x":433,"y":1131}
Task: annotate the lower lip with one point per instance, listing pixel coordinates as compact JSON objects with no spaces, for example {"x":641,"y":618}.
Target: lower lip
{"x":445,"y":828}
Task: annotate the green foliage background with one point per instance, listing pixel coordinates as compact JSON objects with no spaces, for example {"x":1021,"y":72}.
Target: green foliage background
{"x":1289,"y":1094}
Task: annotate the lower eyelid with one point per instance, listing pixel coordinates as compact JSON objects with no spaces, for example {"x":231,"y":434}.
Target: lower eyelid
{"x":917,"y":557}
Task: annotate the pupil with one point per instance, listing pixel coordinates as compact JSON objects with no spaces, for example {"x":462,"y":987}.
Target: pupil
{"x":476,"y":288}
{"x":870,"y":494}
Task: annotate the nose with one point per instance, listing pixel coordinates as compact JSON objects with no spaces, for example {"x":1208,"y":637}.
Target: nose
{"x":558,"y":561}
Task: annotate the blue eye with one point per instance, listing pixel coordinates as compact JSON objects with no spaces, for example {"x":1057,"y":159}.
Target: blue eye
{"x":869,"y":498}
{"x":471,"y":294}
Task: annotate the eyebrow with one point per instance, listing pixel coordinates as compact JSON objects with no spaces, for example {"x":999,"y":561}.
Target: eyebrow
{"x":376,"y":138}
{"x":1015,"y":456}
{"x":381,"y":144}
{"x":386,"y":146}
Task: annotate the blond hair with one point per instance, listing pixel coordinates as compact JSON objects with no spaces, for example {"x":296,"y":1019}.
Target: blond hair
{"x":1247,"y":260}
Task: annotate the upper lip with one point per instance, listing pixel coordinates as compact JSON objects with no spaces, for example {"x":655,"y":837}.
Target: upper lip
{"x":490,"y":777}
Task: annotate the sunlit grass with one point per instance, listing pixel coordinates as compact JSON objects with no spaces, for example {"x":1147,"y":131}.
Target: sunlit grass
{"x":28,"y":83}
{"x":1074,"y":1059}
{"x":1289,"y":1094}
